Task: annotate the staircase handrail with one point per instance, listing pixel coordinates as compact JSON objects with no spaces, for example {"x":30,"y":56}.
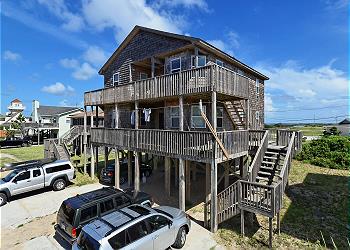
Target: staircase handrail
{"x":283,"y":176}
{"x":254,"y":167}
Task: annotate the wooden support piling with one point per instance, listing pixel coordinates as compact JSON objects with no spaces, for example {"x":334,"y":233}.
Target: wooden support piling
{"x":167,"y":178}
{"x":116,"y":169}
{"x":188,"y":180}
{"x":182,"y":191}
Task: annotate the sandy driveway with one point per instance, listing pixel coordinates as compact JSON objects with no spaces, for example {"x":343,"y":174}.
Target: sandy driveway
{"x":27,"y":222}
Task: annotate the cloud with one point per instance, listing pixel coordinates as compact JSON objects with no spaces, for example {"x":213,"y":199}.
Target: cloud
{"x":269,"y":103}
{"x":229,"y":44}
{"x":123,"y":15}
{"x":95,"y":55}
{"x":221,"y":45}
{"x":26,"y":17}
{"x":11,"y":56}
{"x":200,"y":4}
{"x":58,"y":88}
{"x":71,"y":21}
{"x":336,"y":4}
{"x":69,"y":63}
{"x":84,"y":72}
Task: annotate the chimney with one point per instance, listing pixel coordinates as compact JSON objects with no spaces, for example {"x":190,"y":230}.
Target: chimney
{"x":35,"y":107}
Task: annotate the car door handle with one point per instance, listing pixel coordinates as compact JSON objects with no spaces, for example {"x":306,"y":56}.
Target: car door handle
{"x":156,"y":237}
{"x":29,"y":181}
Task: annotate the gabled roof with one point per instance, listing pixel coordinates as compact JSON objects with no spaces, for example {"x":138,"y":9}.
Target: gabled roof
{"x":195,"y":41}
{"x":16,"y":100}
{"x":345,"y":121}
{"x":54,"y":110}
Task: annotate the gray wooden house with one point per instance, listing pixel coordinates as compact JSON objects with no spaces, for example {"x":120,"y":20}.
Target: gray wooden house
{"x":182,"y":100}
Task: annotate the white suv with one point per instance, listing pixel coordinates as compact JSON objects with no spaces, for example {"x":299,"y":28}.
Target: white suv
{"x":31,"y":175}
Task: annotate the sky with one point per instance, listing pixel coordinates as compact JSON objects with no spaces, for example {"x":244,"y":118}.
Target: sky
{"x":51,"y":50}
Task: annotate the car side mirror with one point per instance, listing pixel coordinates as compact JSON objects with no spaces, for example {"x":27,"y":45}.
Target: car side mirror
{"x":170,"y":223}
{"x":14,"y":181}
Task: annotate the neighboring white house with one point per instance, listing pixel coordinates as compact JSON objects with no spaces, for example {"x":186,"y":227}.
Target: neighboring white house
{"x":53,"y":118}
{"x":15,"y":108}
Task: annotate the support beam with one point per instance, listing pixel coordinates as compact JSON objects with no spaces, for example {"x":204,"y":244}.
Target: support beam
{"x":116,"y":111}
{"x":214,"y":172}
{"x":207,"y":193}
{"x":278,"y":224}
{"x":182,"y":192}
{"x":242,"y":222}
{"x":106,"y":157}
{"x":92,"y":165}
{"x":116,"y":169}
{"x":176,"y":169}
{"x":188,"y":180}
{"x":130,"y":168}
{"x":137,"y":154}
{"x":167,"y":179}
{"x":270,"y":233}
{"x":152,"y":67}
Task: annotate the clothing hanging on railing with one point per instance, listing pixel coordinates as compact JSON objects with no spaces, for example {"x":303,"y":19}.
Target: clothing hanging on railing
{"x":147,"y":113}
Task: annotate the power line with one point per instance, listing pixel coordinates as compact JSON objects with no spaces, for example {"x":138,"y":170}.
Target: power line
{"x":288,"y":110}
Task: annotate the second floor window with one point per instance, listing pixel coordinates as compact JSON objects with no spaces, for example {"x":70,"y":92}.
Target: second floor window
{"x":220,"y":63}
{"x":219,"y":117}
{"x":115,"y":79}
{"x":174,"y":117}
{"x":200,"y":60}
{"x":196,"y":117}
{"x":143,"y":76}
{"x":175,"y":65}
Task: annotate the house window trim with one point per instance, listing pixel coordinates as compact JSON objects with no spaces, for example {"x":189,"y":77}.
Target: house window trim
{"x":171,"y":65}
{"x":257,"y":88}
{"x":143,"y":73}
{"x":174,"y":116}
{"x":114,"y":82}
{"x":220,"y":117}
{"x":196,"y":61}
{"x":257,"y":115}
{"x":216,"y":62}
{"x":205,"y":112}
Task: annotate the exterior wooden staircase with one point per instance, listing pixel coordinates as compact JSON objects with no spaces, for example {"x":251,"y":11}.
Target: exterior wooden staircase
{"x":237,"y":114}
{"x":263,"y":191}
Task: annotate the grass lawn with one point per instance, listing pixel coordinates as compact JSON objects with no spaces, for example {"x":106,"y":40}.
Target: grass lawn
{"x":310,"y":130}
{"x":314,"y":214}
{"x":25,"y":153}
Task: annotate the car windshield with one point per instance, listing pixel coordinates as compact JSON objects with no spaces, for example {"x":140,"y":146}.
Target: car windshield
{"x":9,"y":177}
{"x":86,"y":242}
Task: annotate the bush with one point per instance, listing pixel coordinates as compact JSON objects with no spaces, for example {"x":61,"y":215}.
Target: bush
{"x":330,"y":152}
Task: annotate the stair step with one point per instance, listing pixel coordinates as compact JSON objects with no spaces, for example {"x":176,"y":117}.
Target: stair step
{"x":268,"y":162}
{"x":274,"y":147}
{"x":266,"y":167}
{"x":271,"y":153}
{"x":264,"y":173}
{"x":270,"y":157}
{"x":262,"y":178}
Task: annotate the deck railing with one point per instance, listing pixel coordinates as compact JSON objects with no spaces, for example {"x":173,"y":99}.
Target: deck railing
{"x":255,"y":138}
{"x":256,"y":163}
{"x":199,"y":80}
{"x":191,"y":145}
{"x":227,"y":202}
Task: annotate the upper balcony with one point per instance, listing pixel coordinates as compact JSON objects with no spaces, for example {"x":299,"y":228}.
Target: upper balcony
{"x":200,"y":80}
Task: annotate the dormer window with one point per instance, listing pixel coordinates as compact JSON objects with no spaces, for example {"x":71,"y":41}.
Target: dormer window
{"x":115,"y":79}
{"x":175,"y":65}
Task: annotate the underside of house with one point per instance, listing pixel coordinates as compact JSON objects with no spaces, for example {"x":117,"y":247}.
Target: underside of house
{"x":193,"y":112}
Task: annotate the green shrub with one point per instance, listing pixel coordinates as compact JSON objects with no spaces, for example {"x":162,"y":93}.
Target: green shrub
{"x":330,"y":152}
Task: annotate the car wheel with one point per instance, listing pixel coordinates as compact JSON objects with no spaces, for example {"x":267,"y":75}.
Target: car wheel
{"x":3,"y":199}
{"x":122,"y":180}
{"x":59,"y":184}
{"x":23,"y":144}
{"x":180,"y":238}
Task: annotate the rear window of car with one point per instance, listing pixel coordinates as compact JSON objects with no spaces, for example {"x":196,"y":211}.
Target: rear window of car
{"x":88,"y":213}
{"x":86,"y":242}
{"x":68,"y":212}
{"x":55,"y":169}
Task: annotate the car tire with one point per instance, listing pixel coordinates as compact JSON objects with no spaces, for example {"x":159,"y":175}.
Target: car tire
{"x":3,"y":199}
{"x":180,"y":238}
{"x":59,"y":184}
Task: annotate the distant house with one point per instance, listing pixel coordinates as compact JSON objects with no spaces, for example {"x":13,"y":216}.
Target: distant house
{"x":15,"y":108}
{"x":343,"y":127}
{"x":53,"y":119}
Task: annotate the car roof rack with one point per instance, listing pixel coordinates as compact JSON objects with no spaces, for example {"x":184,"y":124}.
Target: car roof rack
{"x":28,"y":164}
{"x":98,"y":194}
